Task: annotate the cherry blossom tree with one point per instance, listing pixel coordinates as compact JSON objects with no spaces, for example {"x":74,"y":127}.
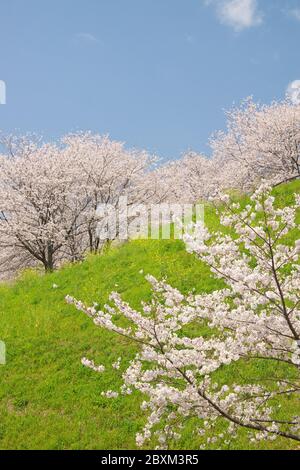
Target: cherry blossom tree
{"x":190,"y":179}
{"x":108,"y":172}
{"x":50,"y":195}
{"x":40,"y":202}
{"x":261,"y":141}
{"x":254,"y":317}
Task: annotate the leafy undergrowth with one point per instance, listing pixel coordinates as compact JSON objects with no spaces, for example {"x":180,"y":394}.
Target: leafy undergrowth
{"x":48,"y":400}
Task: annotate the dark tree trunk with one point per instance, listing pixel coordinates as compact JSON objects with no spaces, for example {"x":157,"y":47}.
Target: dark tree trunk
{"x":49,"y":262}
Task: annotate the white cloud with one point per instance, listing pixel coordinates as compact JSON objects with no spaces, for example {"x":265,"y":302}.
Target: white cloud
{"x":295,"y":13}
{"x":189,"y":38}
{"x":293,"y":92}
{"x":238,"y":14}
{"x":2,"y":92}
{"x":86,"y":37}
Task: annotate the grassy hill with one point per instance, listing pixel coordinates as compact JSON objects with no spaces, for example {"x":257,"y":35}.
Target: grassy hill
{"x":48,"y":400}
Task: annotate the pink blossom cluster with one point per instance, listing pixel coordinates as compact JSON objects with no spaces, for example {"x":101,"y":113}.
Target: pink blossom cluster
{"x":261,"y":141}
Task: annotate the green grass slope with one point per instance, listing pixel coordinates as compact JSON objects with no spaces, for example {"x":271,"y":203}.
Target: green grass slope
{"x":48,"y":400}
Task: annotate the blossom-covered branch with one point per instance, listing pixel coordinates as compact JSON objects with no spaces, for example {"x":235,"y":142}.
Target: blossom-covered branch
{"x":256,"y":316}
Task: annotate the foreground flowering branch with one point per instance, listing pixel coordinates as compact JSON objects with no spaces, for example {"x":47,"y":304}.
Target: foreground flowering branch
{"x":255,"y":317}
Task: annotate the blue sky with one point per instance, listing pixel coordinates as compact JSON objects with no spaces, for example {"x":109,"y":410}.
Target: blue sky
{"x":156,"y":74}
